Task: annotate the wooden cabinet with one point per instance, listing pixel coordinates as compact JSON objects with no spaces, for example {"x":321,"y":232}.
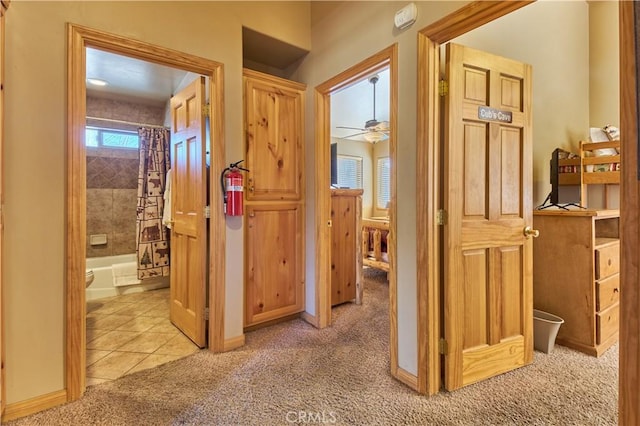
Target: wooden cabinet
{"x":275,"y":259}
{"x":274,"y":196}
{"x":346,"y":255}
{"x":273,"y":121}
{"x":576,"y":275}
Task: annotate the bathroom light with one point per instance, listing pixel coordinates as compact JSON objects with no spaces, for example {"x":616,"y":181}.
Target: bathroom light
{"x":97,"y":82}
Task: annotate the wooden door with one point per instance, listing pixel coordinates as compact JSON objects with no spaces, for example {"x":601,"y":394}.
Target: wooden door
{"x":188,"y":201}
{"x":275,"y":259}
{"x":274,"y":210}
{"x":488,"y":308}
{"x":273,"y":120}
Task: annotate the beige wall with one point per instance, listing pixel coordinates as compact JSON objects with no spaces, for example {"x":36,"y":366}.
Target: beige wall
{"x":356,"y":30}
{"x":35,"y":123}
{"x":604,"y":63}
{"x":36,"y":93}
{"x":342,"y":37}
{"x":604,"y":87}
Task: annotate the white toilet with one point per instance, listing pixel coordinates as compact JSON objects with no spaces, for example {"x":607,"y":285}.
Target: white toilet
{"x":88,"y":276}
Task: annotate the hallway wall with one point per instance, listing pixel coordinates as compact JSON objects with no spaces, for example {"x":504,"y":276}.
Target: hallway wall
{"x":35,"y":153}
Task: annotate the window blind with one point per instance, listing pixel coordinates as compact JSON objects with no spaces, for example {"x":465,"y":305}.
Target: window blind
{"x":383,"y":193}
{"x":349,"y":171}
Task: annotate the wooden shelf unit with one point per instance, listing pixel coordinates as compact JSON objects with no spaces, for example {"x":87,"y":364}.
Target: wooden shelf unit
{"x":576,"y":264}
{"x":584,"y":176}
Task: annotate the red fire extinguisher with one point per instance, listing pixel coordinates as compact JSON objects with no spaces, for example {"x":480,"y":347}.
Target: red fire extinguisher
{"x":231,"y":181}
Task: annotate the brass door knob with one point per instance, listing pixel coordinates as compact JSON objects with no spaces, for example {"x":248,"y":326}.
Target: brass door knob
{"x":530,"y":232}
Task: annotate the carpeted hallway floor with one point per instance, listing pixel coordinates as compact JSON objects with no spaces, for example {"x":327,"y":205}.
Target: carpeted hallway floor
{"x":291,"y":373}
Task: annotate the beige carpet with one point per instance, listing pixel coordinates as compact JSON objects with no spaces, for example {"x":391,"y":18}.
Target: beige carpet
{"x":292,"y":373}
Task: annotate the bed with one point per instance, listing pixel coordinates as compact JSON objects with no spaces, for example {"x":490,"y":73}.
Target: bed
{"x":375,"y":232}
{"x":597,"y":163}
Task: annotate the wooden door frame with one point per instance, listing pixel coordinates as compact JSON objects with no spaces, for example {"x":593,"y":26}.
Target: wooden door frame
{"x":629,"y":368}
{"x":3,"y":8}
{"x":387,"y":58}
{"x":78,"y":39}
{"x":429,"y":182}
{"x":461,"y":21}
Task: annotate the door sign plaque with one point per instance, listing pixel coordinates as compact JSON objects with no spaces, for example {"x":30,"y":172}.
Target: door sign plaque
{"x":493,"y":114}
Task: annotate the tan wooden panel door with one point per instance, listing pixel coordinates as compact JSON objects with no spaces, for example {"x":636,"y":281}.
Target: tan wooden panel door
{"x":275,"y":256}
{"x":188,"y":200}
{"x":488,"y":259}
{"x":273,"y":119}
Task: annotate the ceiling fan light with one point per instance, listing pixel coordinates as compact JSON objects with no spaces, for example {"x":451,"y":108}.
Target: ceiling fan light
{"x":373,"y":137}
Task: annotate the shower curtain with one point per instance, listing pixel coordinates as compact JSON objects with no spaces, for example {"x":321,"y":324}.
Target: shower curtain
{"x":152,"y":238}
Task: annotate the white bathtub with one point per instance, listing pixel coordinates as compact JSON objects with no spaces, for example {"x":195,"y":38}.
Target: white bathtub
{"x":102,"y":285}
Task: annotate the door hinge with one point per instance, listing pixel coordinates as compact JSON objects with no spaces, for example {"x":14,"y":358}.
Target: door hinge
{"x":443,"y":347}
{"x":206,"y":108}
{"x":206,"y":314}
{"x":442,"y":217}
{"x":443,"y":87}
{"x":207,"y":212}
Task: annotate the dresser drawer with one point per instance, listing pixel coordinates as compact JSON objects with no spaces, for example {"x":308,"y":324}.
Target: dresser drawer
{"x":607,"y":261}
{"x":607,"y":323}
{"x":607,"y":292}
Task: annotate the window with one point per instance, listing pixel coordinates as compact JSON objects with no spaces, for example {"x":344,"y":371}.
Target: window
{"x":109,"y":138}
{"x":383,"y":193}
{"x":349,"y":171}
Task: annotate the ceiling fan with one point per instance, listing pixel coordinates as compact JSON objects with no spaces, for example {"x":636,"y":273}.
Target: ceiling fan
{"x":373,"y":130}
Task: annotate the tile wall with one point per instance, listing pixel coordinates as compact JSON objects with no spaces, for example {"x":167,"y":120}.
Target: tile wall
{"x":112,"y":178}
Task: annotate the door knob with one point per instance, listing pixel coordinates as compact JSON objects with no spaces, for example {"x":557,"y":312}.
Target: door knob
{"x":530,"y":232}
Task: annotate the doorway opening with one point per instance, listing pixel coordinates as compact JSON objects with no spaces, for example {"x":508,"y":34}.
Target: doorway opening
{"x":381,"y":61}
{"x":129,"y":326}
{"x":79,"y":38}
{"x":430,"y":40}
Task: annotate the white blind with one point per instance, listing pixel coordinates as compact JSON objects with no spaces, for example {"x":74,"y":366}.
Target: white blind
{"x":349,"y":171}
{"x":384,"y":182}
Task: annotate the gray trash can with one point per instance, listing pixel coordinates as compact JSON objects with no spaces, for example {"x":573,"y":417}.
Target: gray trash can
{"x":545,"y":330}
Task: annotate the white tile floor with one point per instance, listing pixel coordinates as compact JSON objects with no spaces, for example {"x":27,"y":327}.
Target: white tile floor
{"x":130,"y":333}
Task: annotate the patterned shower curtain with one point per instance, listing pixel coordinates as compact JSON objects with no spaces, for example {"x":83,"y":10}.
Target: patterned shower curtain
{"x":152,"y":237}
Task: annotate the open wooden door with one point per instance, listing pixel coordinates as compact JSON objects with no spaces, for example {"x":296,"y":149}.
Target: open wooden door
{"x":188,"y":202}
{"x":488,"y":303}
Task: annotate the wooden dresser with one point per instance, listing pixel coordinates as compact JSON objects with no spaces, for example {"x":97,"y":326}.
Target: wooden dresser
{"x":576,"y":264}
{"x":346,"y":250}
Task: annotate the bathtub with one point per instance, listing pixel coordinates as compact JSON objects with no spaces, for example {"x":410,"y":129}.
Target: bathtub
{"x":102,"y":285}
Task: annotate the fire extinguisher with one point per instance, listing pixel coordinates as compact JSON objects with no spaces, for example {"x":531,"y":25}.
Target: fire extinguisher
{"x":231,"y":181}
